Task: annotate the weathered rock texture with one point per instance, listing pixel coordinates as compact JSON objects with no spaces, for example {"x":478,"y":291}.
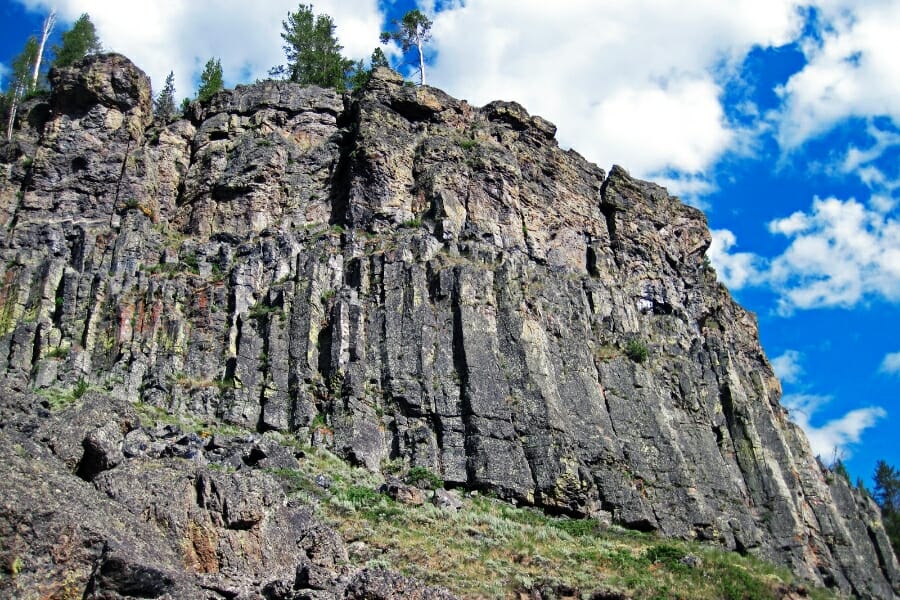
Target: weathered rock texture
{"x":395,"y":274}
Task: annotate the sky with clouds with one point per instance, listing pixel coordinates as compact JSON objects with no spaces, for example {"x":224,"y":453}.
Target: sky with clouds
{"x":780,"y":118}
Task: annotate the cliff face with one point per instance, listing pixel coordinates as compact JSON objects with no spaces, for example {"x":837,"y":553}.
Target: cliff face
{"x":399,"y":275}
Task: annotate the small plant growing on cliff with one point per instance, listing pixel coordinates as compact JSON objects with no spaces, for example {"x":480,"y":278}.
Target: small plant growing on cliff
{"x":80,"y":389}
{"x":61,"y":351}
{"x":261,"y":311}
{"x":637,"y":351}
{"x":191,"y":261}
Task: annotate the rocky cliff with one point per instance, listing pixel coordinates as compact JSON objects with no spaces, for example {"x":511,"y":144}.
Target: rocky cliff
{"x":396,"y":276}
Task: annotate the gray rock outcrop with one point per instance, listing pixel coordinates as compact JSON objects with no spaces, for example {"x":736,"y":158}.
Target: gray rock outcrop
{"x":392,"y":275}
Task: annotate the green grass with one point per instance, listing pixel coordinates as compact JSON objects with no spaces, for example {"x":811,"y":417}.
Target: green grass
{"x":61,"y":351}
{"x":261,"y":312}
{"x":491,"y":549}
{"x":150,"y":416}
{"x":61,"y":398}
{"x":483,"y":551}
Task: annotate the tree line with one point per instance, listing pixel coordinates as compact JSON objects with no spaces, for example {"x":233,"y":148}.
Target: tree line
{"x":29,"y":69}
{"x":886,"y":493}
{"x":312,"y":52}
{"x":313,"y":57}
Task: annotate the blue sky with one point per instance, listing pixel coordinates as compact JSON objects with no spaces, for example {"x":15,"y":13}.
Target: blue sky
{"x":780,"y":118}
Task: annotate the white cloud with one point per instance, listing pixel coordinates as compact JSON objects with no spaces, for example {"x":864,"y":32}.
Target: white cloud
{"x":851,"y":72}
{"x":873,"y":161}
{"x":634,"y":83}
{"x":891,"y":363}
{"x":857,"y":157}
{"x":835,"y":436}
{"x":735,"y":269}
{"x":691,"y":188}
{"x":180,"y":35}
{"x":787,"y":366}
{"x":4,"y":71}
{"x":841,"y":253}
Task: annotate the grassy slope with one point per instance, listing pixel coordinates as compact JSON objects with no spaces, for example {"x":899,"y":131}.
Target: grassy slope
{"x":491,"y":549}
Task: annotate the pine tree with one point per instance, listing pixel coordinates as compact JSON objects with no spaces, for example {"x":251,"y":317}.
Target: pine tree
{"x":413,"y":30}
{"x":378,"y":59}
{"x":312,"y":51}
{"x":20,"y":82}
{"x":210,"y":80}
{"x":361,"y":75}
{"x":78,"y":42}
{"x":164,"y":105}
{"x":887,"y":495}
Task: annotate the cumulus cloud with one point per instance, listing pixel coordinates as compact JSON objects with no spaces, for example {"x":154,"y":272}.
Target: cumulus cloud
{"x":635,"y":83}
{"x":180,"y":35}
{"x":891,"y":364}
{"x":857,"y":157}
{"x":787,"y":366}
{"x":851,"y":70}
{"x":874,"y":161}
{"x":841,"y":253}
{"x":735,"y":269}
{"x":836,"y":436}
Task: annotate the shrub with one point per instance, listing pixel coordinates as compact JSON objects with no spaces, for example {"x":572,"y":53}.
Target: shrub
{"x":637,"y":351}
{"x":575,"y":527}
{"x":318,"y":422}
{"x":80,"y":389}
{"x":61,"y":351}
{"x":191,"y":261}
{"x":424,"y":478}
{"x":664,"y":554}
{"x":260,"y":311}
{"x":361,"y":497}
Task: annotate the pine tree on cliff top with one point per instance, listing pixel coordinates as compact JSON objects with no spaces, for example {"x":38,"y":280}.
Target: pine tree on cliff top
{"x":413,"y":30}
{"x":361,"y":74}
{"x":312,"y":51}
{"x":164,"y":105}
{"x":210,"y":80}
{"x":78,"y":42}
{"x":20,"y":83}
